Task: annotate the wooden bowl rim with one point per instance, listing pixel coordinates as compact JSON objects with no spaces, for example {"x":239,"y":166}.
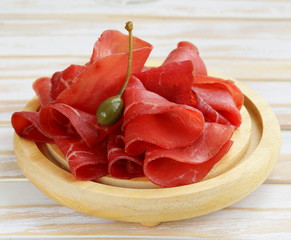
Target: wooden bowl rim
{"x":270,"y":131}
{"x":209,"y":183}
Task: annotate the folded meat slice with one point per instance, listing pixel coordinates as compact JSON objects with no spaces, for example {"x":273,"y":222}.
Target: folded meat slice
{"x":175,"y":167}
{"x":64,"y":79}
{"x":219,"y":97}
{"x":210,"y":115}
{"x":150,"y":119}
{"x":235,"y":92}
{"x":26,"y":125}
{"x":187,"y":51}
{"x":106,"y":71}
{"x":85,"y":163}
{"x":172,"y":81}
{"x":62,"y":120}
{"x":42,"y":87}
{"x":114,"y":42}
{"x":121,"y":164}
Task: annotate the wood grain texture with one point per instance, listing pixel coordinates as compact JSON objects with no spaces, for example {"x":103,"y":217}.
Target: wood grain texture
{"x":248,"y":40}
{"x":152,"y":206}
{"x":238,"y":218}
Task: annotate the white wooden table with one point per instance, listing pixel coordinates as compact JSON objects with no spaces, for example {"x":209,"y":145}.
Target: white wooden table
{"x":247,"y":40}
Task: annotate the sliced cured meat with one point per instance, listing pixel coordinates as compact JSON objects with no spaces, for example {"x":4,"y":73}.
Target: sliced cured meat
{"x":210,"y":115}
{"x":152,"y":119}
{"x":42,"y":87}
{"x":62,"y":80}
{"x":26,"y":125}
{"x":103,"y":77}
{"x":121,"y":164}
{"x":172,"y":81}
{"x":219,"y":98}
{"x":61,"y":120}
{"x":175,"y":167}
{"x":235,"y":92}
{"x":105,"y":46}
{"x":85,"y":163}
{"x":187,"y":51}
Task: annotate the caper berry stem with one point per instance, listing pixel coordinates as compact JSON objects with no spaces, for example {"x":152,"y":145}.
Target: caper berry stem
{"x":128,"y":27}
{"x":110,"y":111}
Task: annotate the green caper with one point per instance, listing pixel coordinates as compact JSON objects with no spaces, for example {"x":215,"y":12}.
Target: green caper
{"x":110,"y":111}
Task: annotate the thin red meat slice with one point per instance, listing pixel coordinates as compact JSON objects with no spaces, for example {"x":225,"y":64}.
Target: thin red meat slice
{"x":172,"y":81}
{"x":105,"y":46}
{"x":62,"y":80}
{"x":210,"y":115}
{"x":42,"y":87}
{"x":26,"y":125}
{"x":151,"y":119}
{"x":85,"y":163}
{"x":175,"y":167}
{"x":187,"y":51}
{"x":106,"y":72}
{"x":219,"y":98}
{"x":61,"y":120}
{"x":235,"y":92}
{"x":121,"y":164}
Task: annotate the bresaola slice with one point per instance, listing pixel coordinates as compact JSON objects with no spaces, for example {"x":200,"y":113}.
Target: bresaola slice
{"x":106,"y":71}
{"x":234,"y":91}
{"x":61,"y":120}
{"x":176,"y":125}
{"x":42,"y":87}
{"x":172,"y":81}
{"x":26,"y":125}
{"x":187,"y":51}
{"x":120,"y":163}
{"x":210,"y":115}
{"x":150,"y":119}
{"x":64,"y":79}
{"x":220,"y":98}
{"x":175,"y":167}
{"x":85,"y":163}
{"x":105,"y":47}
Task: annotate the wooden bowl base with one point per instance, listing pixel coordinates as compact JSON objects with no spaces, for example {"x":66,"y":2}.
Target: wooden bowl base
{"x":242,"y":170}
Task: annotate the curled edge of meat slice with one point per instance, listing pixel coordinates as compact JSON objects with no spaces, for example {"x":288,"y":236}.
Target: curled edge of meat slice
{"x":176,"y":167}
{"x":121,"y":164}
{"x":151,"y":119}
{"x":85,"y":163}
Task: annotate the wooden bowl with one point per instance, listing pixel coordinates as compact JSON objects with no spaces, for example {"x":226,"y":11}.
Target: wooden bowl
{"x":242,"y":170}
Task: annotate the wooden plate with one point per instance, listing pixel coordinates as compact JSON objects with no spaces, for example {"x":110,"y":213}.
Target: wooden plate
{"x":243,"y":169}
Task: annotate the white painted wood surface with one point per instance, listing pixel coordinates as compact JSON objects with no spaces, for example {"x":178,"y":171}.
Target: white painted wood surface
{"x":247,"y":40}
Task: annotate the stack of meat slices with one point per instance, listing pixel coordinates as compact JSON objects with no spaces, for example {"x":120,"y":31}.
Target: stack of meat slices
{"x":177,"y":121}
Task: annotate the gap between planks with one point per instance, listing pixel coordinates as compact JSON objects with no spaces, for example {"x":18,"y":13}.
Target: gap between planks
{"x":141,"y":16}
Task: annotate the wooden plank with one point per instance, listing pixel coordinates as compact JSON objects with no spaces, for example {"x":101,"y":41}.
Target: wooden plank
{"x":82,"y":46}
{"x":274,"y":92}
{"x":283,"y":113}
{"x":93,"y":25}
{"x":267,"y":196}
{"x":270,"y":204}
{"x":58,"y":37}
{"x":275,"y":10}
{"x":20,"y":89}
{"x":7,"y":108}
{"x":6,"y":139}
{"x":9,"y":168}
